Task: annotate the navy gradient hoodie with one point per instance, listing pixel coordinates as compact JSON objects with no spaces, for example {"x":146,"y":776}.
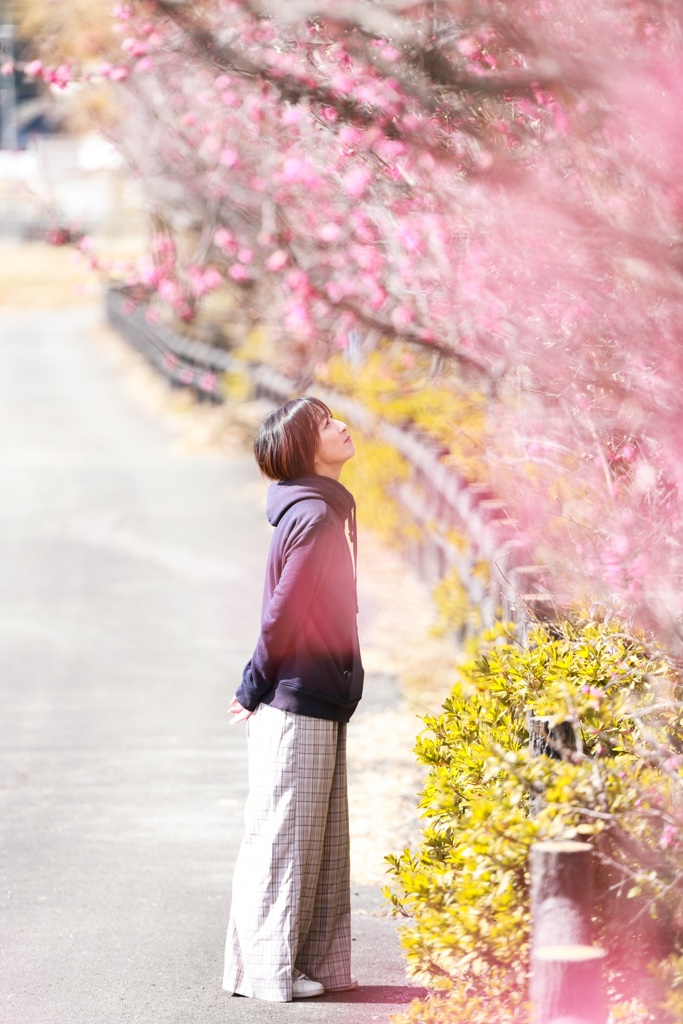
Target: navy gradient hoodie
{"x":307,"y":659}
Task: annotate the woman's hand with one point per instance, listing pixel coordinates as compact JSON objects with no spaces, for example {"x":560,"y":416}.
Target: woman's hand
{"x":241,"y":714}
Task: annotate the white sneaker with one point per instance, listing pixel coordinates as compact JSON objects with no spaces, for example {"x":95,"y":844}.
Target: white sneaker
{"x":305,"y":988}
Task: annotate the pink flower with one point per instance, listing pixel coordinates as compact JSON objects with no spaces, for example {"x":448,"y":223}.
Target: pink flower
{"x":291,"y":115}
{"x":350,"y":136}
{"x":7,"y":68}
{"x":402,"y":316}
{"x":229,"y":157}
{"x":369,"y":258}
{"x":363,"y":227}
{"x":203,"y":279}
{"x":468,"y":46}
{"x":211,"y":144}
{"x":34,"y":69}
{"x":620,"y":544}
{"x":238,"y":272}
{"x":134,"y":47}
{"x":277,"y":260}
{"x":411,"y":240}
{"x":390,"y":149}
{"x":225,"y":240}
{"x":339,"y":290}
{"x":343,"y":84}
{"x":612,"y":568}
{"x":329,"y":232}
{"x":184,"y":312}
{"x":297,"y":280}
{"x":297,"y":317}
{"x":356,"y":182}
{"x":169,"y":290}
{"x":669,"y":837}
{"x":119,"y":73}
{"x":299,"y":171}
{"x":377,"y":299}
{"x":208,"y":382}
{"x":162,"y":245}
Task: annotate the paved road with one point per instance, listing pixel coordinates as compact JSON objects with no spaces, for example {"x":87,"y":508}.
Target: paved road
{"x":129,"y":590}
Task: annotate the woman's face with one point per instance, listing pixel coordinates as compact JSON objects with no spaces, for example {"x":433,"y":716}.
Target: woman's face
{"x":335,"y":447}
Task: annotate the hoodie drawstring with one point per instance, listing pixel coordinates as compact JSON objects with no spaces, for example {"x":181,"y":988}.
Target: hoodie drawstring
{"x":353,"y":537}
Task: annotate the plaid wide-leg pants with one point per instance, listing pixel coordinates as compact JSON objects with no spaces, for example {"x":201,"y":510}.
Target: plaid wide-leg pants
{"x":291,"y":890}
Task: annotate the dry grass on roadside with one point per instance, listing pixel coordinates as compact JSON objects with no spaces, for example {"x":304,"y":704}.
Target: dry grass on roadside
{"x":35,"y":275}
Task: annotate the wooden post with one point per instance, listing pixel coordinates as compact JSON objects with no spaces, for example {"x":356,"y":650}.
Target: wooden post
{"x":558,"y":741}
{"x":561,"y":893}
{"x":566,"y":971}
{"x":566,"y":986}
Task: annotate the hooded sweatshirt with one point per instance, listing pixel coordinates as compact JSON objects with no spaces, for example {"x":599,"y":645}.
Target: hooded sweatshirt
{"x":307,"y":659}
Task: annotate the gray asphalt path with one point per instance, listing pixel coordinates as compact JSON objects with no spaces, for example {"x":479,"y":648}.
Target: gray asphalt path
{"x":130,"y":579}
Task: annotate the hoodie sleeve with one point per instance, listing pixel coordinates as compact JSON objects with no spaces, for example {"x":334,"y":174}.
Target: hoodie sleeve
{"x":306,"y":564}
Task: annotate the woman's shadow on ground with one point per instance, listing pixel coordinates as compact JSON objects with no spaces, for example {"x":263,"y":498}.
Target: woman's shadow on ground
{"x":394,"y":995}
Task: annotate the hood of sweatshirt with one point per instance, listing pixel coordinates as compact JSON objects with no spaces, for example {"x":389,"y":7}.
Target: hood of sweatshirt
{"x":283,"y":495}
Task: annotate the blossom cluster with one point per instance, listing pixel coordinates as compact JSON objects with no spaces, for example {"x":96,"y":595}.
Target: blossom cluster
{"x":486,"y":182}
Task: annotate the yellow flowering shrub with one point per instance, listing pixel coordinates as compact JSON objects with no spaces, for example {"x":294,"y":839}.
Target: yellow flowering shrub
{"x":399,"y":385}
{"x":465,"y":890}
{"x":452,"y":603}
{"x":370,"y":476}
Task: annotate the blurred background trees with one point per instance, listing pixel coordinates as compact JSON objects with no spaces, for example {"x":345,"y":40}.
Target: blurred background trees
{"x":494,"y":184}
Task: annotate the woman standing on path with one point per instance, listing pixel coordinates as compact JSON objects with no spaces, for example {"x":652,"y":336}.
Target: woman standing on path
{"x":289,"y":935}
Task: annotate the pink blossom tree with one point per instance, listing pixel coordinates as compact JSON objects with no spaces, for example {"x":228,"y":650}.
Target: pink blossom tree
{"x":495,"y":181}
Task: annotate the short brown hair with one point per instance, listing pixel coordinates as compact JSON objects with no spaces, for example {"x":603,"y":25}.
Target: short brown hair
{"x":287,"y":441}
